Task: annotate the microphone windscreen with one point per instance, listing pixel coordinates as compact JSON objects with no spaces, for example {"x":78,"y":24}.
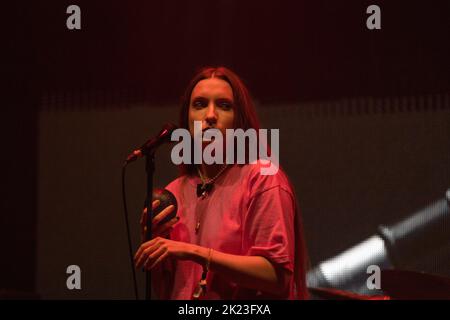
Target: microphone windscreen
{"x":166,"y":199}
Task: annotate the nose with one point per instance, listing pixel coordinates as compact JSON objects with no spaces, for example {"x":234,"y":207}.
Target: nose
{"x":211,"y":114}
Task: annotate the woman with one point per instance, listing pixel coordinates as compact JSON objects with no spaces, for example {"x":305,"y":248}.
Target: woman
{"x":238,"y":233}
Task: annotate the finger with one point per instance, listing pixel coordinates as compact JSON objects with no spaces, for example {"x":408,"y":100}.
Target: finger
{"x":160,"y":259}
{"x":145,"y":256}
{"x":166,"y":227}
{"x":151,"y":247}
{"x":163,"y":214}
{"x":144,"y":217}
{"x":142,"y":247}
{"x":140,"y":260}
{"x":155,"y":205}
{"x":143,"y":234}
{"x":138,"y":254}
{"x":143,"y":220}
{"x":151,"y":259}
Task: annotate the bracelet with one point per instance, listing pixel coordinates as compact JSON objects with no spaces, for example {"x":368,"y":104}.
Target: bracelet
{"x":202,"y":284}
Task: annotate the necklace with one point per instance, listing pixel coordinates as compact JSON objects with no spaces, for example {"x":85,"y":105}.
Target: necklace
{"x":205,"y":187}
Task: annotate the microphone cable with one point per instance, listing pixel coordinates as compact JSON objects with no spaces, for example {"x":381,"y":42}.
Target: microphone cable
{"x":130,"y":246}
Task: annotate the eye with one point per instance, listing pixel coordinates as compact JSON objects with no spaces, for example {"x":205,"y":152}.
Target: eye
{"x":225,"y":104}
{"x":198,"y":103}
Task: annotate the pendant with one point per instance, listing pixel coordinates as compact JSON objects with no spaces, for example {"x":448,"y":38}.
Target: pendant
{"x":200,"y":290}
{"x":197,"y":227}
{"x":203,"y":189}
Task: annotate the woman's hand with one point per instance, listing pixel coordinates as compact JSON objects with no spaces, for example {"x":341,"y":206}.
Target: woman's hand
{"x":153,"y":252}
{"x":158,"y":230}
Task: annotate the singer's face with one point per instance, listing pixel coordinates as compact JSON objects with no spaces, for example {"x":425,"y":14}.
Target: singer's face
{"x":212,"y":104}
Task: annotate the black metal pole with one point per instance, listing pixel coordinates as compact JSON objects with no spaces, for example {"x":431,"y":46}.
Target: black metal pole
{"x":150,"y":169}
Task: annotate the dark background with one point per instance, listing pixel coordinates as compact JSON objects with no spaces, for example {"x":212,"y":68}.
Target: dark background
{"x":369,"y":109}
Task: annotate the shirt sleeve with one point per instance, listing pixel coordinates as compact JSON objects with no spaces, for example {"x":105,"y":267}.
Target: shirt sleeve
{"x":269,"y":227}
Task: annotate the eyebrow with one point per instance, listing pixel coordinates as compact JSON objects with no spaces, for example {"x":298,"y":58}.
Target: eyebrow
{"x":203,"y":98}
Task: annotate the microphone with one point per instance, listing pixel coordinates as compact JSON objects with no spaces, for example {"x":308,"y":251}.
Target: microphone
{"x":149,"y":147}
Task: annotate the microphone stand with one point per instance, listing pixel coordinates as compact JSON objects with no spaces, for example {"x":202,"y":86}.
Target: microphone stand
{"x":150,"y":169}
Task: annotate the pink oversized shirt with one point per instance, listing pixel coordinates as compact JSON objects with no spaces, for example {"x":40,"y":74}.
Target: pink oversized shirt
{"x":245,"y":214}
